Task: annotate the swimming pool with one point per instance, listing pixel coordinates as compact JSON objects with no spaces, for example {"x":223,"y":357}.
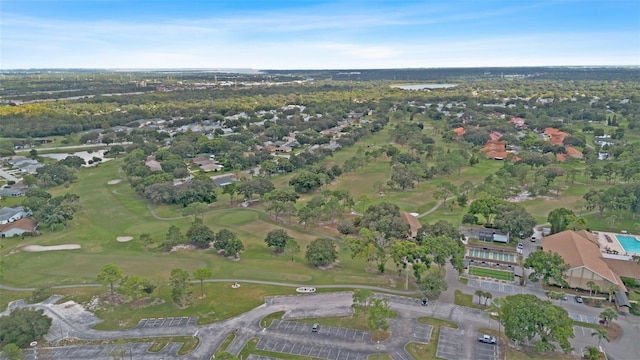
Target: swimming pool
{"x":629,"y":243}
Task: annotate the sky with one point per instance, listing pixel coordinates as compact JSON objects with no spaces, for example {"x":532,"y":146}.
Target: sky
{"x":314,"y":34}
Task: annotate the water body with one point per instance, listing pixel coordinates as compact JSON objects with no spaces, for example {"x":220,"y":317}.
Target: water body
{"x":425,"y":86}
{"x":83,"y":154}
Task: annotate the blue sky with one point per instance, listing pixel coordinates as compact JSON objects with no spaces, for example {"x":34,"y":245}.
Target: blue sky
{"x":308,"y":34}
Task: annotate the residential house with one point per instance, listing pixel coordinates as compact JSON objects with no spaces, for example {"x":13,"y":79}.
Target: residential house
{"x":222,"y":181}
{"x":18,"y":228}
{"x":495,"y":149}
{"x":153,"y":164}
{"x":554,"y":136}
{"x":573,"y":152}
{"x":495,"y":135}
{"x":12,"y":192}
{"x":459,"y":132}
{"x":9,"y":215}
{"x":518,"y":122}
{"x":581,"y":250}
{"x":412,"y":221}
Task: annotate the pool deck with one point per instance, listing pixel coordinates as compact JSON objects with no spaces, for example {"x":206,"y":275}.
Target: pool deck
{"x":614,"y":244}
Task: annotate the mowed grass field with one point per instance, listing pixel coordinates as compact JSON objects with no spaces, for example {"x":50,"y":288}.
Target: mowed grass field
{"x":496,"y":274}
{"x":108,"y":211}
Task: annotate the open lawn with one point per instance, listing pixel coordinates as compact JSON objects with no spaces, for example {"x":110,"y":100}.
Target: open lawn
{"x":109,"y":211}
{"x":496,"y":274}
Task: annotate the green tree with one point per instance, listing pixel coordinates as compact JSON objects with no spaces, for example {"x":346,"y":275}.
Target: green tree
{"x":321,"y":251}
{"x":292,"y":247}
{"x":180,"y":286}
{"x":591,"y":285}
{"x":378,"y":315}
{"x":361,"y":299}
{"x":608,"y":315}
{"x":591,"y":353}
{"x":222,"y":237}
{"x":601,"y":334}
{"x":233,"y":247}
{"x":194,"y":209}
{"x":305,"y":182}
{"x":135,"y":286}
{"x":277,"y":239}
{"x":560,"y":218}
{"x":385,"y":218}
{"x":432,"y":285}
{"x":202,"y":274}
{"x":109,"y":274}
{"x":232,"y":190}
{"x":200,"y":235}
{"x":12,"y":352}
{"x":23,"y":325}
{"x":547,"y":265}
{"x":526,"y":318}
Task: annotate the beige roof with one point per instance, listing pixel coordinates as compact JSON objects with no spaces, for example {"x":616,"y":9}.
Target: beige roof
{"x":580,"y":249}
{"x":24,"y":224}
{"x":625,"y":268}
{"x":413,"y":222}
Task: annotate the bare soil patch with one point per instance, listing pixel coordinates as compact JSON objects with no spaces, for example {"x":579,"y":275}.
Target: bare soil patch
{"x":40,"y":248}
{"x":113,"y":182}
{"x":124,"y":238}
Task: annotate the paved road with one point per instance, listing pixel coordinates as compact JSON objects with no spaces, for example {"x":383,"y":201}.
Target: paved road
{"x":247,"y":326}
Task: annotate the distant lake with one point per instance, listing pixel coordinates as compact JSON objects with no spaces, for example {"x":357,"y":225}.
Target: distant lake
{"x":83,"y":154}
{"x":425,"y":86}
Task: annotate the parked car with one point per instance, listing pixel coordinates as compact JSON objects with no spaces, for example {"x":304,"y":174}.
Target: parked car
{"x":425,"y":301}
{"x":487,"y":339}
{"x":520,"y":246}
{"x":315,"y":327}
{"x":533,"y":239}
{"x":579,"y":299}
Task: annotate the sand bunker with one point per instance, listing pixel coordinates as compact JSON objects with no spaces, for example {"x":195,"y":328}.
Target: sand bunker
{"x":39,"y":248}
{"x":124,"y":238}
{"x":113,"y":182}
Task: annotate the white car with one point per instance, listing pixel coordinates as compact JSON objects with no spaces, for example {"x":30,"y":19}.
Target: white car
{"x":487,"y":339}
{"x":520,"y":246}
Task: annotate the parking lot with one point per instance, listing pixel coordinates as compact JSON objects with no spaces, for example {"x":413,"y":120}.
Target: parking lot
{"x":420,"y":332}
{"x":492,"y":286}
{"x":294,"y":327}
{"x":400,"y":299}
{"x":167,"y":322}
{"x":132,"y":350}
{"x":313,"y":351}
{"x":450,"y":343}
{"x":401,"y":355}
{"x":583,"y":318}
{"x":486,"y":351}
{"x":260,"y":357}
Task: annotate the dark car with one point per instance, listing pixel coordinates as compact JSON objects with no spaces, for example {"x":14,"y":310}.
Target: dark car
{"x":579,"y":299}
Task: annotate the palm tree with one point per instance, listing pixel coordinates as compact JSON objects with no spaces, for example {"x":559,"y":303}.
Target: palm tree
{"x":479,"y":293}
{"x":608,"y":315}
{"x":487,"y":297}
{"x":601,"y":334}
{"x":592,"y":353}
{"x":590,"y":284}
